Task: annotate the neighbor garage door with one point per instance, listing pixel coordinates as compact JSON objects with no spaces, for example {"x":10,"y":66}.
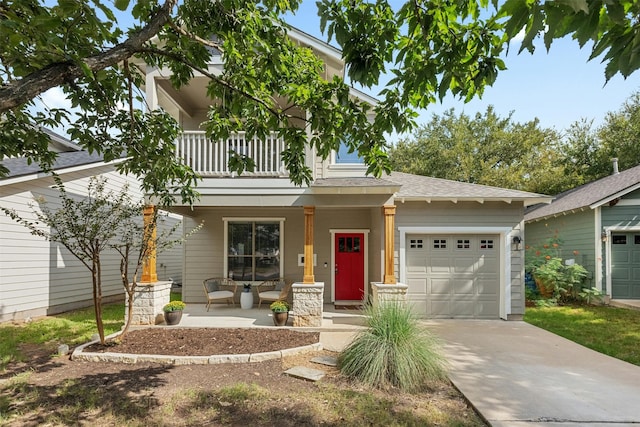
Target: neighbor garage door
{"x":454,"y":276}
{"x":625,"y":265}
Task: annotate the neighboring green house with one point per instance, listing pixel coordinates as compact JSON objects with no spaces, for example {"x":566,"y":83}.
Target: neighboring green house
{"x":599,"y":225}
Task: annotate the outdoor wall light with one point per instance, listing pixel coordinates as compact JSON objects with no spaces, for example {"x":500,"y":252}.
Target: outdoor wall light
{"x":516,"y":242}
{"x":603,"y":236}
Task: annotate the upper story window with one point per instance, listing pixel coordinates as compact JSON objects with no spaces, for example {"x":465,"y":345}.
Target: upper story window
{"x":344,"y":157}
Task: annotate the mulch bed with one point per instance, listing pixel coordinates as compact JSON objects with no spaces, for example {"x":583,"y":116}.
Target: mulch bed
{"x":207,"y":341}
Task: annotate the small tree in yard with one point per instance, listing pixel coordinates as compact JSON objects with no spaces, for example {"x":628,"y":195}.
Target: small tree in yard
{"x":88,"y":226}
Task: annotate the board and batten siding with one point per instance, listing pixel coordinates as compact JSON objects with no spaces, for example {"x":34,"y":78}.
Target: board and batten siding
{"x":575,"y":231}
{"x":448,"y":215}
{"x":38,"y":277}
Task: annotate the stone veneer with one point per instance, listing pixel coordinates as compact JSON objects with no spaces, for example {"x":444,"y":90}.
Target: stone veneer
{"x":307,"y":304}
{"x":383,"y":293}
{"x":148,"y":300}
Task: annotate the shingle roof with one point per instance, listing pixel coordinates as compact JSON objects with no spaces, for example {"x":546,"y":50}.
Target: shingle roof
{"x":417,"y":186}
{"x":20,"y":167}
{"x":408,"y":186}
{"x":593,"y":193}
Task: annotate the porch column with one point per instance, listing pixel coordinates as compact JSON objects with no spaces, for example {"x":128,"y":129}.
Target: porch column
{"x":309,"y":213}
{"x":149,"y":273}
{"x":389,"y":220}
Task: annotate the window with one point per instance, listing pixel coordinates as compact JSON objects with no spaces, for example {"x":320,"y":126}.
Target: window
{"x":349,"y":244}
{"x":253,"y":250}
{"x":636,"y":239}
{"x":464,"y":244}
{"x":619,"y":239}
{"x":439,"y":244}
{"x":344,"y":157}
{"x":486,"y":243}
{"x":415,"y":243}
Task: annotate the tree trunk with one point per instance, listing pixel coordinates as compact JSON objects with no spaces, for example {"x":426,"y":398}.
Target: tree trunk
{"x":97,"y":296}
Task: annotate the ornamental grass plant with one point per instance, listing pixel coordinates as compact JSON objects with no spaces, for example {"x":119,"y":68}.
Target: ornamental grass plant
{"x":394,"y":351}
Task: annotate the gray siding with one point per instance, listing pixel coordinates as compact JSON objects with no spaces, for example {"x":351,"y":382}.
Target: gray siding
{"x":620,"y":216}
{"x":576,"y":232}
{"x":39,"y":277}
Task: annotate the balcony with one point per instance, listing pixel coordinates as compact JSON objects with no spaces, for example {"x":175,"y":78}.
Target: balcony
{"x":211,"y":159}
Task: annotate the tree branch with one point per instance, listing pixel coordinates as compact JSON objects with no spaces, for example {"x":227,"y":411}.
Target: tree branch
{"x":21,"y":91}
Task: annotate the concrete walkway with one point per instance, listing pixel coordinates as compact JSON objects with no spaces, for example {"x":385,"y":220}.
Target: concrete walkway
{"x":516,"y":374}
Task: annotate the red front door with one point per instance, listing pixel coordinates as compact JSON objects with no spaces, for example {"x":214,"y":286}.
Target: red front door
{"x":349,"y":267}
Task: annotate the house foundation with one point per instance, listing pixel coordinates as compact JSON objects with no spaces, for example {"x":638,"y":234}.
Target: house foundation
{"x":307,"y":304}
{"x":148,"y":300}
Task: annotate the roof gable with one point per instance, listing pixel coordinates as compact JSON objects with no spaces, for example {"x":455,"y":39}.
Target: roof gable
{"x":590,"y":195}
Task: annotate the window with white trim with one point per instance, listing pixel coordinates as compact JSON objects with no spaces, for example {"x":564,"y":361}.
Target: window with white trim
{"x":415,"y":243}
{"x":464,"y":244}
{"x":254,"y":250}
{"x":439,"y":244}
{"x":344,"y":157}
{"x":486,"y":244}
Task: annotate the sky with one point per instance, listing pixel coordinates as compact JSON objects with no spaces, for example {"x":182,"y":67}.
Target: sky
{"x":559,"y":87}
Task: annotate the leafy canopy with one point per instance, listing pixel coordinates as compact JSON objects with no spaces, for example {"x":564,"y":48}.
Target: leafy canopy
{"x":431,"y":48}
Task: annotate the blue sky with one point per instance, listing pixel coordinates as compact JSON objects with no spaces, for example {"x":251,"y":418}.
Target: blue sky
{"x":558,"y":88}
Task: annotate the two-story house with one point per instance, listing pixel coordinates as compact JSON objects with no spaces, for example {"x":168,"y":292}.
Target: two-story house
{"x":454,"y":246}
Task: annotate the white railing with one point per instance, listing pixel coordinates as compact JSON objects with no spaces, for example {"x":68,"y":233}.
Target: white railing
{"x":210,"y":158}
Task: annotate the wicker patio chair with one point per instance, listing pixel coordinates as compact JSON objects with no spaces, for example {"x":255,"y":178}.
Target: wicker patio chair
{"x":219,"y":288}
{"x":273,"y":290}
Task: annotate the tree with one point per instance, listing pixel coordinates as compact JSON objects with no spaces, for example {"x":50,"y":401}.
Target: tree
{"x":434,"y":47}
{"x":486,"y":149}
{"x":90,"y":225}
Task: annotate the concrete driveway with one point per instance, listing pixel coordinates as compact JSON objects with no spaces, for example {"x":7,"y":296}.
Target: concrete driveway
{"x":516,"y":374}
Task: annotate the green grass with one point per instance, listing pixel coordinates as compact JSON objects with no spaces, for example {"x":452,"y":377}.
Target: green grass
{"x":609,"y":330}
{"x":71,"y":328}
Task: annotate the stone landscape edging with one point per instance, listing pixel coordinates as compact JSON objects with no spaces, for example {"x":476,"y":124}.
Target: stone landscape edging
{"x":80,"y":354}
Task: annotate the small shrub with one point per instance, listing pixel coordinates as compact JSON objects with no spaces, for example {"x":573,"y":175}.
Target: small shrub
{"x":394,"y":351}
{"x":279,"y":306}
{"x":174,"y":306}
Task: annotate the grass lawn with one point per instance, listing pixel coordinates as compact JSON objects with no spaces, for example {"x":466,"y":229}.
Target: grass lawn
{"x":609,"y":330}
{"x":56,"y":391}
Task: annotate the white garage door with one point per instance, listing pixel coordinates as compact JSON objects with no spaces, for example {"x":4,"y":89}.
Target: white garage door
{"x":454,"y":276}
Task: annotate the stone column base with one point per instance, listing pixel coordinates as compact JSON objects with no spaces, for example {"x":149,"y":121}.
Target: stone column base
{"x":307,"y":304}
{"x":388,"y":293}
{"x":148,"y":300}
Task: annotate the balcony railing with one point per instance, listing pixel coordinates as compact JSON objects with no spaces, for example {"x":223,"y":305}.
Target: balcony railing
{"x":210,"y":158}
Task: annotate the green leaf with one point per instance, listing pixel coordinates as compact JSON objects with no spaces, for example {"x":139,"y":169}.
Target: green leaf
{"x":121,"y":4}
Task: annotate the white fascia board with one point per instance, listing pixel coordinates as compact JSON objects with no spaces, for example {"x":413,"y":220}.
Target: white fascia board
{"x":363,"y":96}
{"x":39,"y":175}
{"x":615,"y":196}
{"x":481,"y":200}
{"x":315,"y":43}
{"x":355,"y":190}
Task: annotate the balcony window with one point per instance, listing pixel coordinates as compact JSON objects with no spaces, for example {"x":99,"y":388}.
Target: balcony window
{"x":254,"y":250}
{"x":344,"y":157}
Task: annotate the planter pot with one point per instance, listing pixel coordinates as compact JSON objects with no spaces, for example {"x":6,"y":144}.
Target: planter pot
{"x":246,"y":300}
{"x":280,"y":318}
{"x":172,"y":317}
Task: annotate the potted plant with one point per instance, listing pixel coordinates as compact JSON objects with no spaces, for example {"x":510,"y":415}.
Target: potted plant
{"x":280,"y":311}
{"x":173,"y":312}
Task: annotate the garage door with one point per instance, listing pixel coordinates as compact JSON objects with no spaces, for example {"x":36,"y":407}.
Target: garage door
{"x":625,"y":265}
{"x":454,"y":276}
